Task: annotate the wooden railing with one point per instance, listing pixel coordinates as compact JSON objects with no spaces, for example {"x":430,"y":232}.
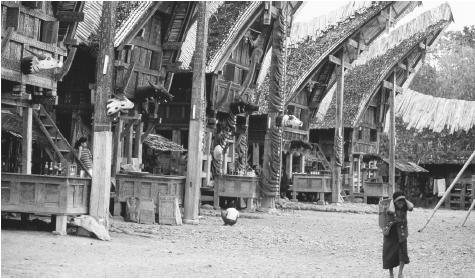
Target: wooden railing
{"x":365,"y":148}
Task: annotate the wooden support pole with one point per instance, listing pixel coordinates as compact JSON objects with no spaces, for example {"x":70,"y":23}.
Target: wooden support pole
{"x":272,"y":167}
{"x":392,"y":135}
{"x":472,"y":157}
{"x":117,"y":153}
{"x":138,"y":141}
{"x":128,"y":142}
{"x":197,"y":118}
{"x":290,"y":158}
{"x":27,"y":141}
{"x":339,"y":136}
{"x":102,"y":144}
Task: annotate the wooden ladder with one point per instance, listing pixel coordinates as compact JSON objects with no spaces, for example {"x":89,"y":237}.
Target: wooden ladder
{"x":322,"y":159}
{"x":59,"y":146}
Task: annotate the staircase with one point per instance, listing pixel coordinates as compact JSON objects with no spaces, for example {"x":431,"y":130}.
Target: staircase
{"x":59,"y":146}
{"x":322,"y":159}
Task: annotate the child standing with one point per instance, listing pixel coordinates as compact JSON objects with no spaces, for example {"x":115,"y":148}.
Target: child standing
{"x":395,"y":243}
{"x":84,"y":154}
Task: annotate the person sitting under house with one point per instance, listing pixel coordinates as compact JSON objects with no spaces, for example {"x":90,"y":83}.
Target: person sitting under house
{"x":230,"y":215}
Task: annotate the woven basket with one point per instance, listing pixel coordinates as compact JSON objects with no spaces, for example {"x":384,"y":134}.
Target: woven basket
{"x":383,"y":215}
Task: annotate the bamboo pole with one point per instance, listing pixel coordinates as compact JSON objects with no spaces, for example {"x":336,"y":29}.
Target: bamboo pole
{"x":468,"y":213}
{"x":449,"y":189}
{"x":195,"y":140}
{"x":102,"y":137}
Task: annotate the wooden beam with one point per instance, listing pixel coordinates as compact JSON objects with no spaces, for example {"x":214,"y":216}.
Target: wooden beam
{"x":357,"y":45}
{"x":7,"y":37}
{"x":405,"y":67}
{"x":69,"y":16}
{"x":127,"y":127}
{"x":339,"y":156}
{"x":338,"y":61}
{"x":117,"y":144}
{"x":27,"y":141}
{"x":392,"y":135}
{"x":127,"y":77}
{"x":67,"y":64}
{"x":22,"y":39}
{"x":195,"y":143}
{"x":137,"y":153}
{"x":144,"y":44}
{"x":102,"y":139}
{"x":390,"y":86}
{"x":172,"y":45}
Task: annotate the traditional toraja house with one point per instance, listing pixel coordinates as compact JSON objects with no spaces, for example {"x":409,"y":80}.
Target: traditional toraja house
{"x":366,"y":98}
{"x":37,"y":40}
{"x":138,"y":42}
{"x":239,"y":34}
{"x":311,"y":72}
{"x":438,"y":134}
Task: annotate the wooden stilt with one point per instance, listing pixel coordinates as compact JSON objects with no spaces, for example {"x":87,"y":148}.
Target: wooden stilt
{"x":271,"y":171}
{"x":117,"y":147}
{"x":61,"y":224}
{"x":27,"y":141}
{"x":102,"y":140}
{"x":137,"y":142}
{"x":195,"y":140}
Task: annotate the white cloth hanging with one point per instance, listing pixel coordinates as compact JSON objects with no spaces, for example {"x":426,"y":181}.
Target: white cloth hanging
{"x":439,"y":187}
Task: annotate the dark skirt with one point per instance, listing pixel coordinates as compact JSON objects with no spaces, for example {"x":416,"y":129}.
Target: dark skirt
{"x":229,"y":222}
{"x":394,"y":251}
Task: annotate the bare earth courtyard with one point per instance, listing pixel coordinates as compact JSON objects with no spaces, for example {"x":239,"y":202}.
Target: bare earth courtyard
{"x":289,"y":244}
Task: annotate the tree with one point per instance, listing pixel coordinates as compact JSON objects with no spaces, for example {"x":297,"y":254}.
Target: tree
{"x":449,"y":69}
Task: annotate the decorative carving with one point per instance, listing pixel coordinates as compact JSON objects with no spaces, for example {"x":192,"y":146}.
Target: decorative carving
{"x":270,"y":181}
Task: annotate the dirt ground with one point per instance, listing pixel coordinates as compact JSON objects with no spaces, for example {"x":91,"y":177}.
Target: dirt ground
{"x":288,"y":244}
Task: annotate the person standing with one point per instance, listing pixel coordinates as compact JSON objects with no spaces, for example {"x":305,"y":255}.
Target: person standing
{"x":84,"y":154}
{"x":395,"y":240}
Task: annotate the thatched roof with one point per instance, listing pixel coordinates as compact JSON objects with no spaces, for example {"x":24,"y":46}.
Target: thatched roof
{"x":421,"y":20}
{"x":421,"y":111}
{"x":362,"y":80}
{"x":92,"y":18}
{"x":406,"y":166}
{"x":427,"y":147}
{"x":306,"y":55}
{"x":226,"y":19}
{"x":158,"y":142}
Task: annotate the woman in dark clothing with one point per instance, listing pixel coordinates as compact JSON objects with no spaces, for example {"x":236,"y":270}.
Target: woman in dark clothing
{"x":395,"y":243}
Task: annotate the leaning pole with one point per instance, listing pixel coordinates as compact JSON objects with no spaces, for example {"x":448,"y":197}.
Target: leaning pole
{"x":449,"y":189}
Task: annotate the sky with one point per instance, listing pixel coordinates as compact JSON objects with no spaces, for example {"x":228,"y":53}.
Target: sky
{"x":462,"y":11}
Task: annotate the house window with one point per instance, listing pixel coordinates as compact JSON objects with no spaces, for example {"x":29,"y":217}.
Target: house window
{"x":373,"y":135}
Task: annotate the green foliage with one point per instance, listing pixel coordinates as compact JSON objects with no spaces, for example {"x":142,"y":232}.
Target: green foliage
{"x":449,"y":69}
